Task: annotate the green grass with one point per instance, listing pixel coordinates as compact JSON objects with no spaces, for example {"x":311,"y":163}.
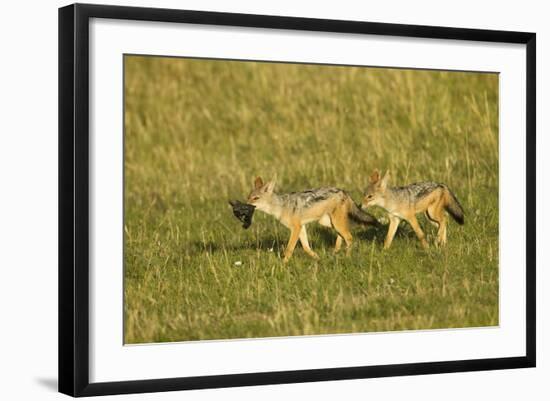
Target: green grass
{"x":197,"y":132}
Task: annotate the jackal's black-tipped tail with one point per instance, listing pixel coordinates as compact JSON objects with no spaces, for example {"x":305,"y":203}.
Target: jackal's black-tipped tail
{"x":454,"y":208}
{"x":361,"y":217}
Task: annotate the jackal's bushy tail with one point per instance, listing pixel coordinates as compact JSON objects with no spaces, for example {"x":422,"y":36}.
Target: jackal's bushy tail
{"x":361,"y":217}
{"x":453,"y":207}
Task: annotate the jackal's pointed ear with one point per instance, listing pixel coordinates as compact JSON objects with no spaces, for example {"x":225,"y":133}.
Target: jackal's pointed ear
{"x":374,"y":177}
{"x":385,"y":180}
{"x":270,"y":186}
{"x":258,"y":183}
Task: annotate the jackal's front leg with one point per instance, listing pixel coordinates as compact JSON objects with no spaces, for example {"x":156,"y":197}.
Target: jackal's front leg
{"x":394,"y":223}
{"x":294,"y":235}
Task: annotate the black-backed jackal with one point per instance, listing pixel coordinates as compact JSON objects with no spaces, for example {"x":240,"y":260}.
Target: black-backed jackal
{"x":405,"y":202}
{"x":330,"y":207}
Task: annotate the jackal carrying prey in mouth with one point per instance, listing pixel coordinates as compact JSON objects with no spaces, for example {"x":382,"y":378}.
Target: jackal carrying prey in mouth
{"x":330,"y":207}
{"x":405,"y":202}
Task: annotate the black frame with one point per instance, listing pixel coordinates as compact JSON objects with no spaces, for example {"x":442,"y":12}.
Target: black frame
{"x":74,"y":191}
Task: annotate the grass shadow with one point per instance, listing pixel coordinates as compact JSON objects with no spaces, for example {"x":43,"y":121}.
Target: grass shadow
{"x":326,"y":236}
{"x":376,"y":234}
{"x":265,"y":243}
{"x":319,"y":237}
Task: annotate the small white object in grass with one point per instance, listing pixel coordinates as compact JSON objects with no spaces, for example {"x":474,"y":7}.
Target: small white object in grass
{"x":238,"y":263}
{"x":270,"y":250}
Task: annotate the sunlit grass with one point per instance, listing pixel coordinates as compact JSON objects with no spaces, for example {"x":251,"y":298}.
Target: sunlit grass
{"x":196,"y":134}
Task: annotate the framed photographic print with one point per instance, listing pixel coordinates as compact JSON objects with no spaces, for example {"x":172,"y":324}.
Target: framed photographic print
{"x":250,"y":199}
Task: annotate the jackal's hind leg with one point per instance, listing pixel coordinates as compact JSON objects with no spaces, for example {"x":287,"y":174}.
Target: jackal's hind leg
{"x":338,"y":243}
{"x":436,"y":215}
{"x":340,"y":223}
{"x":442,"y":232}
{"x":419,"y":233}
{"x":305,"y":243}
{"x":431,"y":220}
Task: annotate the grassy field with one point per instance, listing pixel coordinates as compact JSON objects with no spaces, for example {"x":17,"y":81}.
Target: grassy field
{"x":197,"y":132}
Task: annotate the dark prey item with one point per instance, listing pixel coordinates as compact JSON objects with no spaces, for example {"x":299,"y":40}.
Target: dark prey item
{"x":243,"y":212}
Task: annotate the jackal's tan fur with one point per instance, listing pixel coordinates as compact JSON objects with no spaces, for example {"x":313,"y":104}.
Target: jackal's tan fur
{"x":406,"y":202}
{"x":330,"y":207}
